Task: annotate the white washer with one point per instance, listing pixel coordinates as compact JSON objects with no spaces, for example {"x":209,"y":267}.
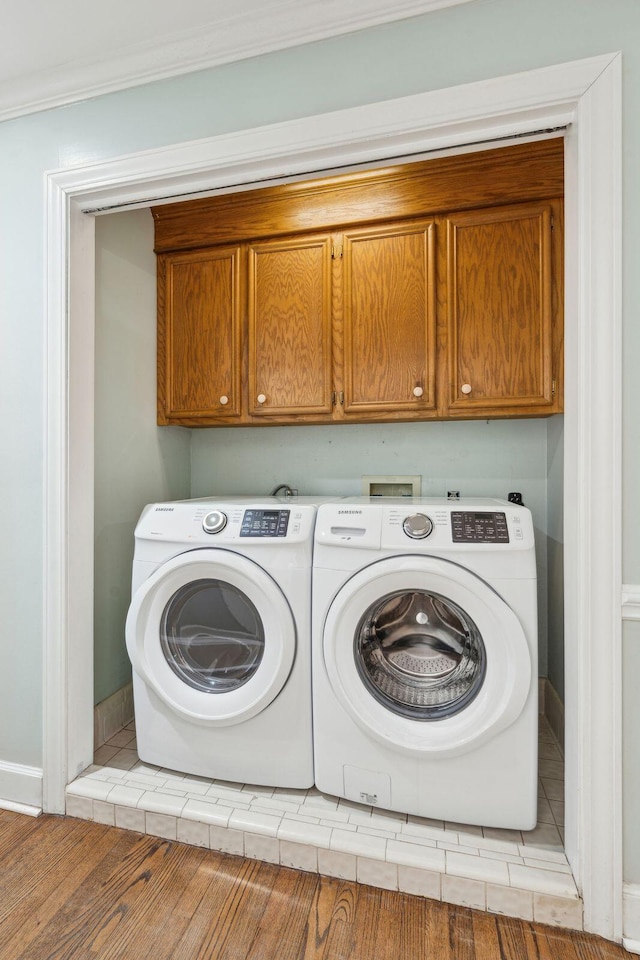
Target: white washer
{"x":425,"y":658}
{"x":218,"y":634}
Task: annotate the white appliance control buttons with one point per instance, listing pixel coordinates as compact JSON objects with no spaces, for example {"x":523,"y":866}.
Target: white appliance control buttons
{"x":214,"y":522}
{"x":417,"y":526}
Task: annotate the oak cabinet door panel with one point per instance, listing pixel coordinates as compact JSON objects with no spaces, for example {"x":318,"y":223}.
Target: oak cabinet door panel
{"x":499,"y":329}
{"x":389,"y":319}
{"x":199,"y":335}
{"x":289,"y":307}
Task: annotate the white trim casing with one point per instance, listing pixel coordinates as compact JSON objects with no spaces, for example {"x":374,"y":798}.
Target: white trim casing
{"x":593,"y":500}
{"x":272,"y":25}
{"x":584,"y":95}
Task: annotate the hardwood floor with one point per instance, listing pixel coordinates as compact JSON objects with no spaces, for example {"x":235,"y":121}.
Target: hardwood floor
{"x":76,"y":890}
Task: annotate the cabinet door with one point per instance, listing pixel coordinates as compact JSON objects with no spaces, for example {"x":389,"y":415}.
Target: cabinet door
{"x":388,"y":317}
{"x":289,"y":310}
{"x":199,"y":336}
{"x":499,"y":330}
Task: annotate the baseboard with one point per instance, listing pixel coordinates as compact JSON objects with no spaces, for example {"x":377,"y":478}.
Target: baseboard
{"x":112,"y":714}
{"x":631,"y":917}
{"x":20,"y":788}
{"x":553,"y":709}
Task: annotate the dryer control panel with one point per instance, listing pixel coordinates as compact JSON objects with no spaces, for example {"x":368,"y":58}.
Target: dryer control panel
{"x":211,"y":523}
{"x":265,"y":523}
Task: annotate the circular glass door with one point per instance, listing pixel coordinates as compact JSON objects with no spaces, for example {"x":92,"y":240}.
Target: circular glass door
{"x":212,"y":636}
{"x":211,"y":633}
{"x":425,"y":656}
{"x":420,"y":654}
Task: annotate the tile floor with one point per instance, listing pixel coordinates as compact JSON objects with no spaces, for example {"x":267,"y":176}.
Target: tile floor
{"x":522,"y":874}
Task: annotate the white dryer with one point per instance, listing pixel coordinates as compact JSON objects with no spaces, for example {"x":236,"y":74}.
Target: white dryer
{"x":218,"y":634}
{"x":425,"y":658}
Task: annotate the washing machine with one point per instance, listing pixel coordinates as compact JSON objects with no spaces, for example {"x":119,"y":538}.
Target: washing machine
{"x":219,"y":637}
{"x":425,"y":658}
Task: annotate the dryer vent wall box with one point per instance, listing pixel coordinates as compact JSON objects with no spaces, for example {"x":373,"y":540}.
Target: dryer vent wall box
{"x":391,"y":486}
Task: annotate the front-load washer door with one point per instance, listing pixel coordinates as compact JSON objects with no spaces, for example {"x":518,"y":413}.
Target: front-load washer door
{"x":425,"y":656}
{"x":213,"y":635}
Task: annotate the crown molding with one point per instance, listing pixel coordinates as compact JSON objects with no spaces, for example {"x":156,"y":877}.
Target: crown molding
{"x":274,"y":25}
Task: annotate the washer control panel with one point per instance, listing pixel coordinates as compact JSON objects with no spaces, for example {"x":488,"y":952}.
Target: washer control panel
{"x":265,"y":523}
{"x":427,"y":525}
{"x":474,"y":526}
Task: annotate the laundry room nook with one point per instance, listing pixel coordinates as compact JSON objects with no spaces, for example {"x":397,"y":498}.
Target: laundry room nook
{"x":488,"y":473}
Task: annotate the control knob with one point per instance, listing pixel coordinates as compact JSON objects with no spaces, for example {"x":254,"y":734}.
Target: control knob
{"x":417,"y":526}
{"x":214,"y":522}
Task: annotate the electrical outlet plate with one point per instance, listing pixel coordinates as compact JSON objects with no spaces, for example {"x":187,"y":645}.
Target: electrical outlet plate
{"x":386,"y":486}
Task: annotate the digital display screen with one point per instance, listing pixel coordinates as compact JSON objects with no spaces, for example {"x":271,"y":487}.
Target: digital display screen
{"x":471,"y":527}
{"x":265,"y":523}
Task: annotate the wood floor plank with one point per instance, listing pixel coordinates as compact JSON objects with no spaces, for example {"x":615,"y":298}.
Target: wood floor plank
{"x":550,"y":946}
{"x":436,"y":930}
{"x":281,"y":931}
{"x":74,"y":890}
{"x":366,"y":938}
{"x":413,"y":935}
{"x":39,"y":903}
{"x":144,"y":906}
{"x":328,"y":929}
{"x":233,"y":906}
{"x":182,"y":907}
{"x":514,"y":939}
{"x":88,"y":923}
{"x":391,"y":928}
{"x":461,"y":933}
{"x":15,"y":825}
{"x":329,"y":926}
{"x":45,"y":851}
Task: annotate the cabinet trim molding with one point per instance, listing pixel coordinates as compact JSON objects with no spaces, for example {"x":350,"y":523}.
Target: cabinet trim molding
{"x":512,"y":173}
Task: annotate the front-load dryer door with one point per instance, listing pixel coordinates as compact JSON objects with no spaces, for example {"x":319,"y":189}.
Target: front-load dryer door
{"x":425,"y":656}
{"x":213,"y":635}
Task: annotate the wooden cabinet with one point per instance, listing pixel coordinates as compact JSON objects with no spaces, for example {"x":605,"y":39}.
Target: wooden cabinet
{"x":199,"y":336}
{"x":289,"y":314}
{"x":323,"y":307}
{"x":500,"y":315}
{"x":388,"y":320}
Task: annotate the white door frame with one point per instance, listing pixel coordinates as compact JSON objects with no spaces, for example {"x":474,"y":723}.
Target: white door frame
{"x":584,"y":94}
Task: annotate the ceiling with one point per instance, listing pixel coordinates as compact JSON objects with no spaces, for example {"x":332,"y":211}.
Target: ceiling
{"x":56,"y":53}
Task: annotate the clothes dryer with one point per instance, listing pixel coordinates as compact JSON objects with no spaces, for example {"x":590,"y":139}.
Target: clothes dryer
{"x":425,"y":658}
{"x":218,"y":634}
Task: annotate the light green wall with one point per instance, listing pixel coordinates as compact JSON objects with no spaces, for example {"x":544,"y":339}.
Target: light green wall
{"x":485,"y":38}
{"x":136,"y":462}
